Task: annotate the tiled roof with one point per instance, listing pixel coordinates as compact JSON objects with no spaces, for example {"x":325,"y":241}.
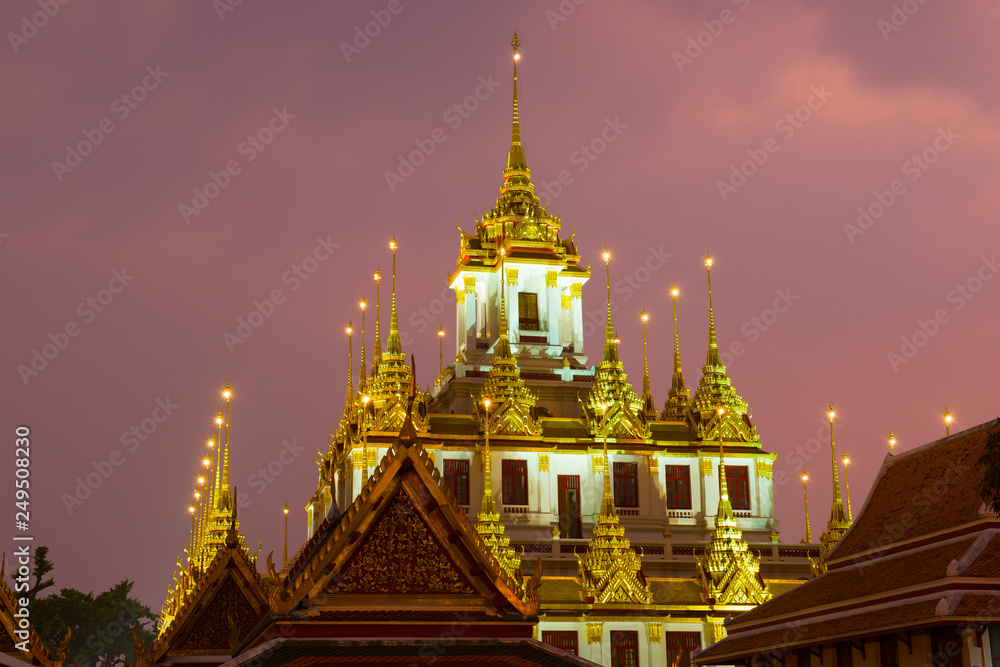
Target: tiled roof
{"x":452,"y":424}
{"x":454,"y":651}
{"x":862,"y":580}
{"x":930,"y":492}
{"x":912,"y":489}
{"x":674,"y":431}
{"x":564,"y":428}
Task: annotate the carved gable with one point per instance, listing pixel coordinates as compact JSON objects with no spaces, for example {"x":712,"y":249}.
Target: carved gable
{"x":401,"y":555}
{"x":230,"y":611}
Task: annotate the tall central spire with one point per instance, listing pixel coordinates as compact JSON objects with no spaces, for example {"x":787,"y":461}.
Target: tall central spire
{"x":515,"y":158}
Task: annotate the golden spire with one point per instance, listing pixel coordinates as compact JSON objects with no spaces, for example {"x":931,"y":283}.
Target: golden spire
{"x":947,"y":421}
{"x":833,"y":449}
{"x":611,"y":571}
{"x":284,"y":562}
{"x":648,"y":408}
{"x":361,"y":368}
{"x":892,"y":443}
{"x":679,"y":397}
{"x":227,"y":394}
{"x":441,"y":351}
{"x":515,"y":158}
{"x":611,"y":387}
{"x":715,"y":388}
{"x":377,"y":355}
{"x":839,"y":522}
{"x":488,"y":524}
{"x":504,"y":386}
{"x":728,"y":571}
{"x":847,"y":488}
{"x":350,"y":362}
{"x":610,"y":350}
{"x":394,"y":346}
{"x":805,"y":499}
{"x":712,"y":358}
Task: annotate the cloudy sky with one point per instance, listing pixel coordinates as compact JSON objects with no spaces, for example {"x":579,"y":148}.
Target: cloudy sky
{"x":173,"y":163}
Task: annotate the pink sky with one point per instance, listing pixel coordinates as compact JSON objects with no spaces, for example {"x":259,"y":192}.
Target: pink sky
{"x":879,"y":98}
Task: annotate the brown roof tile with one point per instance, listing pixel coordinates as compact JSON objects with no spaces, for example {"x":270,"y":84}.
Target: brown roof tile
{"x":908,"y":497}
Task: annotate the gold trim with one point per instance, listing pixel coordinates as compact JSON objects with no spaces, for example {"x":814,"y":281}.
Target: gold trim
{"x":595,"y":633}
{"x":654,"y":631}
{"x":707,"y":469}
{"x":543,"y":462}
{"x":764,"y":468}
{"x":597,"y":463}
{"x":551,"y":277}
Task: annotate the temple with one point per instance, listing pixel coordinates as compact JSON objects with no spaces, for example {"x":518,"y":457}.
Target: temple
{"x":525,"y":505}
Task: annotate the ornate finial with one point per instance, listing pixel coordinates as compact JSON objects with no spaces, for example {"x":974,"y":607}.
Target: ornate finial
{"x":715,"y":388}
{"x":847,"y":488}
{"x":805,"y":499}
{"x":350,"y":362}
{"x":679,"y":397}
{"x":713,"y":357}
{"x":394,"y":345}
{"x":947,"y":421}
{"x":892,"y":443}
{"x":515,"y":158}
{"x":649,"y":409}
{"x":610,"y":351}
{"x":728,"y":571}
{"x":377,"y":356}
{"x":839,"y":522}
{"x":361,"y":368}
{"x":611,"y":571}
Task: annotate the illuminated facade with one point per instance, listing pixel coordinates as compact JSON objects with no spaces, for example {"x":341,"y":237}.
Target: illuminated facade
{"x":646,"y":543}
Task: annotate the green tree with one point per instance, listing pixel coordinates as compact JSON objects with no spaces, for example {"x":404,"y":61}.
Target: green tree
{"x":989,"y":487}
{"x":101,"y":624}
{"x":41,"y":568}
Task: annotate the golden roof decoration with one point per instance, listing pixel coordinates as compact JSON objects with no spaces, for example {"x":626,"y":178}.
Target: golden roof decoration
{"x":839,"y":522}
{"x":678,"y":402}
{"x":611,"y":570}
{"x":729,"y":573}
{"x":715,"y":390}
{"x":623,"y":414}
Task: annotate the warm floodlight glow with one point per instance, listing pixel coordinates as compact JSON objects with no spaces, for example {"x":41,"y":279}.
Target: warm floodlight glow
{"x":644,"y":316}
{"x":517,"y":56}
{"x":191,"y":510}
{"x":805,"y":477}
{"x":708,"y":262}
{"x":846,"y":460}
{"x":721,"y":411}
{"x":365,"y":399}
{"x":486,"y":403}
{"x":378,"y":276}
{"x":392,"y":244}
{"x":607,"y":256}
{"x":218,"y":420}
{"x":350,"y":330}
{"x":206,"y":462}
{"x":201,"y":480}
{"x":226,"y":394}
{"x":441,"y":332}
{"x":674,"y":292}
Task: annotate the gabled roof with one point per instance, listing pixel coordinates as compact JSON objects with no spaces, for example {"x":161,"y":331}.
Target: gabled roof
{"x":916,"y":485}
{"x":910,"y":561}
{"x":223,"y":606}
{"x":404,"y":545}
